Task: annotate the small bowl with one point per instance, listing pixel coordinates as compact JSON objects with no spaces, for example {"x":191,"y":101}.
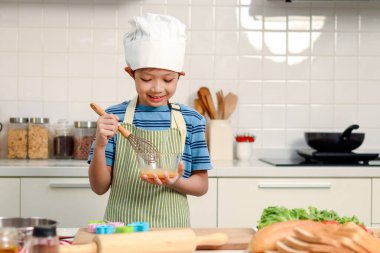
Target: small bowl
{"x":24,"y":226}
{"x":159,"y":164}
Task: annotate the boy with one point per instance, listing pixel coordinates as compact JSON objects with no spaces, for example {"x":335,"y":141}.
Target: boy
{"x":154,"y":52}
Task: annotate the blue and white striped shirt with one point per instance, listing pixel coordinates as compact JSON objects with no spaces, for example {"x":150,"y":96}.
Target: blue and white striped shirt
{"x":195,"y":156}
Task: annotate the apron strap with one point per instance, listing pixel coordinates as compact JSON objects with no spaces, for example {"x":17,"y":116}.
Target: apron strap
{"x":130,"y":112}
{"x":176,"y":119}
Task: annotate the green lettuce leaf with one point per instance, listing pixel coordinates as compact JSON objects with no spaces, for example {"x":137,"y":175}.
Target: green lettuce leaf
{"x":274,"y":214}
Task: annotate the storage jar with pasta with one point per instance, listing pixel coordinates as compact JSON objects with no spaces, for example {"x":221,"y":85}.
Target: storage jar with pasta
{"x":18,"y":138}
{"x":83,"y":136}
{"x":38,"y":138}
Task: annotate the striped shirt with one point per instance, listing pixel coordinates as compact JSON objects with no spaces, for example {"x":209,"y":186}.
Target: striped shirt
{"x":195,"y":156}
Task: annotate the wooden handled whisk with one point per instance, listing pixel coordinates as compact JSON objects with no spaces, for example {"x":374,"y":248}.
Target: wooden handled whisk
{"x":140,"y":145}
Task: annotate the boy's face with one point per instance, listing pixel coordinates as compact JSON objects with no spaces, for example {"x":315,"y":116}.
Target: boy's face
{"x":155,"y":86}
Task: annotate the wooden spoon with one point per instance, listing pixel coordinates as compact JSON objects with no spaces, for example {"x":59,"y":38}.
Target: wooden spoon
{"x":220,"y":98}
{"x":203,"y":101}
{"x":207,"y":100}
{"x":230,"y":102}
{"x":198,"y":106}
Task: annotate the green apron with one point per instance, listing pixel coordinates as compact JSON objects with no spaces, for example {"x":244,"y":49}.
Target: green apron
{"x":134,"y":200}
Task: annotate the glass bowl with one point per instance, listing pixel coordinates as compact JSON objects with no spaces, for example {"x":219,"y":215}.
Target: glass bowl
{"x":159,"y":163}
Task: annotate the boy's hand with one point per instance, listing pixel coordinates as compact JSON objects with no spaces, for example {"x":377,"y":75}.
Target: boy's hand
{"x":168,"y":181}
{"x":106,"y":128}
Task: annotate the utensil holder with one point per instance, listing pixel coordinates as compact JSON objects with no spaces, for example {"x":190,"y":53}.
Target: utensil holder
{"x":243,"y":151}
{"x":220,"y":140}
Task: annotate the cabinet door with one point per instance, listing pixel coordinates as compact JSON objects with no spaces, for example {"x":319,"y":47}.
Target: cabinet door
{"x":241,"y":201}
{"x":203,"y":209}
{"x":70,"y":201}
{"x":376,"y":200}
{"x":9,"y":197}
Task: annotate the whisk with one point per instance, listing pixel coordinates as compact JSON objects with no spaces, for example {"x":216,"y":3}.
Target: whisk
{"x":143,"y":147}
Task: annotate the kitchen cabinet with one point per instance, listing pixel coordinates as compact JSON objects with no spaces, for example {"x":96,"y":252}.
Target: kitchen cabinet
{"x":9,"y":197}
{"x":70,"y":201}
{"x":376,"y":200}
{"x":203,"y":210}
{"x":241,"y":200}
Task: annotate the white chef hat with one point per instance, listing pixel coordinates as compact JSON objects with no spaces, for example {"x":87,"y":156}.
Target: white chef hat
{"x":155,"y":41}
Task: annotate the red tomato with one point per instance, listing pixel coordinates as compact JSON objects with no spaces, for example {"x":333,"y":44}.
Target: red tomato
{"x":363,"y":227}
{"x":330,"y":222}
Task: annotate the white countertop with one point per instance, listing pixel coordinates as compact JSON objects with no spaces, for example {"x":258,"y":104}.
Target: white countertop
{"x":253,"y":168}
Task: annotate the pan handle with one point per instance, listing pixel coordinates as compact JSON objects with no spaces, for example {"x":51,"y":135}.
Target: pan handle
{"x":347,"y":132}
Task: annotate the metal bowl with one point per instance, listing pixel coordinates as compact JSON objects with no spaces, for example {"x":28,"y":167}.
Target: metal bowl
{"x":25,"y":226}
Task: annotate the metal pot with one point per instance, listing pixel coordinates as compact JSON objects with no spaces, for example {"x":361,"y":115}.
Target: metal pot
{"x":25,"y":226}
{"x":335,"y":142}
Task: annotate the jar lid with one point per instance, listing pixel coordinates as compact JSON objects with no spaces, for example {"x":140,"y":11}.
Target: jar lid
{"x":44,"y":231}
{"x":62,"y":124}
{"x":18,"y":120}
{"x":39,"y":120}
{"x":85,"y":124}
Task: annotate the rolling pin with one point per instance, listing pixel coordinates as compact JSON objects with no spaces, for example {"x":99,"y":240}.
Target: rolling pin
{"x":182,"y":240}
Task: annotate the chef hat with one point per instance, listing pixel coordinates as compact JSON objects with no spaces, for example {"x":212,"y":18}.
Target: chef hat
{"x":155,"y":41}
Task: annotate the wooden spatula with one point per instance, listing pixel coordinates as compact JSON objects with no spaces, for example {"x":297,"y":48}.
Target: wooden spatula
{"x":230,"y":102}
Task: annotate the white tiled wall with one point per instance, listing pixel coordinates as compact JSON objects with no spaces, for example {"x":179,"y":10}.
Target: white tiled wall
{"x":295,"y":67}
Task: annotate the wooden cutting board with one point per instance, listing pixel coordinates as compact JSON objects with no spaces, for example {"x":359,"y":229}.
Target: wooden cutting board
{"x":238,"y":238}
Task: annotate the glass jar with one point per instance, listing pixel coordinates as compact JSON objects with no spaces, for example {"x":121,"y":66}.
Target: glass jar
{"x":84,"y":134}
{"x":63,"y":141}
{"x":44,"y":240}
{"x":38,"y":138}
{"x":8,"y":240}
{"x":18,"y":138}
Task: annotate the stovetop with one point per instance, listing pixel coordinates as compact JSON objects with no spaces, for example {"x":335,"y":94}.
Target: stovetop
{"x":309,"y":157}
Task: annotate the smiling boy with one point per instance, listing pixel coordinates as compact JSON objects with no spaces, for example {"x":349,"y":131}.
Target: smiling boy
{"x":154,"y":52}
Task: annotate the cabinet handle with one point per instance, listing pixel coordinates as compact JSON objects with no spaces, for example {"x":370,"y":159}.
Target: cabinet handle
{"x":294,"y":185}
{"x":69,"y":185}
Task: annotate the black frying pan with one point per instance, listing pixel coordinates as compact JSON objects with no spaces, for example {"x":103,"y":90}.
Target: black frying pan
{"x":335,"y":142}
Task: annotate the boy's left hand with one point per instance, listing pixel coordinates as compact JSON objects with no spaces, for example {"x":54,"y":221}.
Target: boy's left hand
{"x":168,"y":181}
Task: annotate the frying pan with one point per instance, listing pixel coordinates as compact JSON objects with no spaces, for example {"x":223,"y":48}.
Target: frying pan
{"x":335,"y":142}
{"x":171,"y":241}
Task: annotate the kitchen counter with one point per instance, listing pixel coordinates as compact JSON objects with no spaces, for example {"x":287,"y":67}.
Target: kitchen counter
{"x":253,"y":168}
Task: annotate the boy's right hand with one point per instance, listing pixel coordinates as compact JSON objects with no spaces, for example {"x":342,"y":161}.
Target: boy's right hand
{"x":106,"y":128}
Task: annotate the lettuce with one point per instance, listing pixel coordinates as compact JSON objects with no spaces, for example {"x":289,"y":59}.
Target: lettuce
{"x":274,"y":214}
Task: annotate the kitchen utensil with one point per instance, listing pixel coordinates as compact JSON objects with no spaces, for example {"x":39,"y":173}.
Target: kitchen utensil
{"x":207,"y":100}
{"x":342,"y":158}
{"x":220,"y":99}
{"x":238,"y":238}
{"x":140,"y":145}
{"x":180,"y":240}
{"x":163,"y":163}
{"x":335,"y":142}
{"x":25,"y":226}
{"x":230,"y":102}
{"x":198,"y":106}
{"x":203,"y":101}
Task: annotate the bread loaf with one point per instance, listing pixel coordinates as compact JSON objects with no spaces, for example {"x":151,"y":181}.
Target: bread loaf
{"x":265,"y":239}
